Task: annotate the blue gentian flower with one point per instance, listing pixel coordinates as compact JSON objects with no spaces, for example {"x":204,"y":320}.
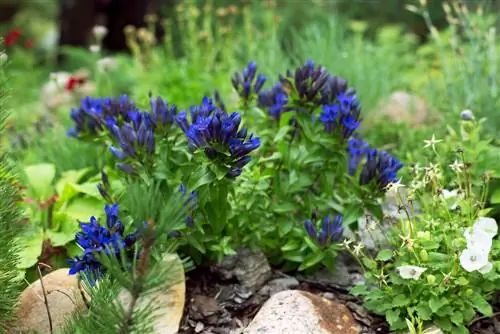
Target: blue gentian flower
{"x":275,"y":100}
{"x":379,"y":166}
{"x":342,"y":116}
{"x":95,"y":238}
{"x":219,"y":135}
{"x":248,"y":83}
{"x":331,"y":230}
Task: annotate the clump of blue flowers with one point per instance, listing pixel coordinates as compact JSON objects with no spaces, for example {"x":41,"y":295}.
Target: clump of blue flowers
{"x":132,"y":130}
{"x":95,"y":238}
{"x":331,"y":230}
{"x":379,"y":167}
{"x":248,"y":83}
{"x":219,"y":135}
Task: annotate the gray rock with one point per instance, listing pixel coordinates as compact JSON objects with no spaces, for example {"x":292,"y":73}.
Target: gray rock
{"x":301,"y":312}
{"x":251,"y":269}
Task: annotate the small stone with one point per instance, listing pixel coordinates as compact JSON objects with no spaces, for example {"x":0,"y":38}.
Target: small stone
{"x":63,"y":296}
{"x":302,"y":312}
{"x":251,"y":269}
{"x":199,"y":327}
{"x":404,"y":107}
{"x":205,"y":306}
{"x":329,"y":296}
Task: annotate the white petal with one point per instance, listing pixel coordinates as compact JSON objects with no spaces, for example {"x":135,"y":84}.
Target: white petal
{"x":478,"y":240}
{"x":410,"y":272}
{"x":473,"y":260}
{"x":449,"y":194}
{"x":487,"y":225}
{"x":486,"y":269}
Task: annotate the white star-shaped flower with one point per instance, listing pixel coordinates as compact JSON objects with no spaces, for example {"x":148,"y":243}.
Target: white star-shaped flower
{"x":410,"y":272}
{"x":432,"y":142}
{"x":457,"y":166}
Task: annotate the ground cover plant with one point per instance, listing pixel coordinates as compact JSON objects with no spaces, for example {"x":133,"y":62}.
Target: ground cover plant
{"x":246,"y":135}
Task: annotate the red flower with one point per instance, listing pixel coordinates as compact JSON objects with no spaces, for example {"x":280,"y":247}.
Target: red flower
{"x":28,"y":44}
{"x":12,"y":37}
{"x":73,"y":82}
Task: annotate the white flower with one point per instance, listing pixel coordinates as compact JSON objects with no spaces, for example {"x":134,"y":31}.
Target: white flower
{"x":449,"y":194}
{"x":487,"y":225}
{"x":107,"y":64}
{"x":432,"y":142}
{"x":486,"y":269}
{"x":94,"y":48}
{"x":99,"y":32}
{"x":3,"y":58}
{"x":473,"y":259}
{"x":457,"y":166}
{"x":410,"y":272}
{"x":478,"y":240}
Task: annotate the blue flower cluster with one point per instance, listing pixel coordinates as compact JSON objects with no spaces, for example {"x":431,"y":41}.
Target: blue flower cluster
{"x":219,"y":135}
{"x":131,"y":129}
{"x":304,"y":89}
{"x":95,"y":238}
{"x":331,"y":230}
{"x":343,"y":115}
{"x":379,"y":167}
{"x":248,"y":82}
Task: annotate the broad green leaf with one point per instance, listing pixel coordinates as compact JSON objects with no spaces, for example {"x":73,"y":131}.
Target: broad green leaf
{"x":290,"y":246}
{"x":73,"y":250}
{"x":457,"y":318}
{"x":392,"y":317}
{"x":359,"y":290}
{"x":435,"y":303}
{"x":462,"y":281}
{"x":89,"y":189}
{"x":384,"y":255}
{"x":481,"y":305}
{"x":424,"y":312}
{"x":40,"y":178}
{"x":401,"y":300}
{"x":296,"y":256}
{"x":30,"y":248}
{"x":285,"y":225}
{"x":459,"y":330}
{"x":70,"y":176}
{"x":58,"y":239}
{"x":83,"y":208}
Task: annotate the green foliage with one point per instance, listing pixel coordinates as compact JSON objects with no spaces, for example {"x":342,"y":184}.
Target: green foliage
{"x":439,"y":286}
{"x":10,"y":224}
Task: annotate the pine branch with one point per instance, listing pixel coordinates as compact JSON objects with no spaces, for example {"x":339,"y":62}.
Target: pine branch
{"x":10,"y":226}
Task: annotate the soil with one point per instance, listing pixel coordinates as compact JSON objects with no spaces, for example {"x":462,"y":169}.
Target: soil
{"x":224,"y":307}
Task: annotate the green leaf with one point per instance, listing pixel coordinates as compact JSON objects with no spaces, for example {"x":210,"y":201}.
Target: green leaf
{"x":312,"y":260}
{"x":436,"y":303}
{"x":460,"y":330}
{"x":480,"y":304}
{"x":457,"y":318}
{"x":284,"y":207}
{"x":83,"y":208}
{"x":384,"y":255}
{"x":423,"y":310}
{"x":58,"y":239}
{"x":495,"y":197}
{"x":392,"y":317}
{"x":282,"y":132}
{"x":30,"y":248}
{"x":401,"y":300}
{"x":359,"y":290}
{"x":285,"y":225}
{"x":462,"y":281}
{"x":70,"y":176}
{"x":296,"y":256}
{"x":40,"y":178}
{"x":89,"y":189}
{"x":290,"y":246}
